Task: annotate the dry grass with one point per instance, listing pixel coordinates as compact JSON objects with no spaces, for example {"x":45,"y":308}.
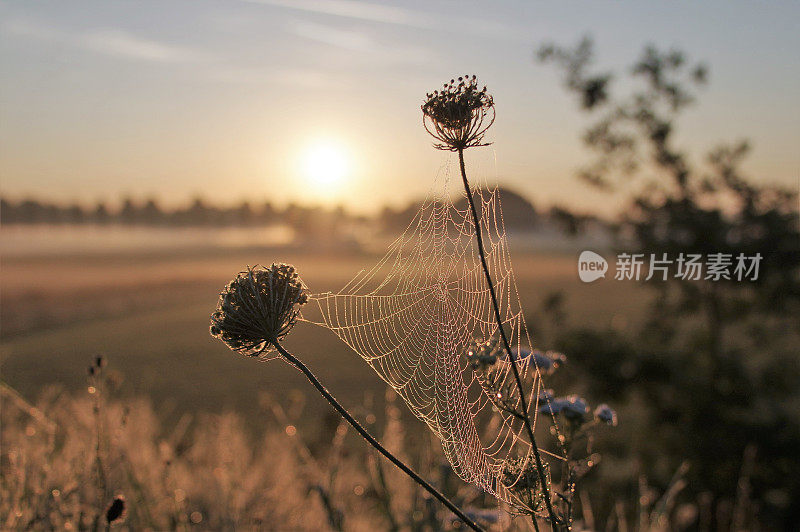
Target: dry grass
{"x":65,"y":460}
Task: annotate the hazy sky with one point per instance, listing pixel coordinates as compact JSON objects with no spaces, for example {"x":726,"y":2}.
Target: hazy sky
{"x":234,"y":100}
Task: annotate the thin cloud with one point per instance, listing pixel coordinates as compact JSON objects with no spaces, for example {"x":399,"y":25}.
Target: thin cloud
{"x":355,"y":10}
{"x":291,"y":77}
{"x":307,"y":78}
{"x":349,"y":40}
{"x":356,"y":41}
{"x":372,"y":12}
{"x":123,"y":44}
{"x":111,"y":42}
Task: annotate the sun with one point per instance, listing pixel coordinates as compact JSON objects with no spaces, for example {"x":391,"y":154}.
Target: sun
{"x":326,"y":165}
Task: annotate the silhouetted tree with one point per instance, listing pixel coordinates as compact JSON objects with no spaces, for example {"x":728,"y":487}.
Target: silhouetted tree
{"x":8,"y":212}
{"x":32,"y":211}
{"x":199,"y":213}
{"x":100,"y":215}
{"x":266,"y":214}
{"x":717,"y":358}
{"x":74,"y":214}
{"x":570,"y":222}
{"x":244,"y":214}
{"x":151,"y":213}
{"x":129,"y":213}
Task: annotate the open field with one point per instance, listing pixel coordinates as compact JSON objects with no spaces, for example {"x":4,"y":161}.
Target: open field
{"x":148,"y":313}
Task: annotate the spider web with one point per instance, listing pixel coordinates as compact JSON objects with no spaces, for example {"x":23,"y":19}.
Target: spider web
{"x":413,"y":316}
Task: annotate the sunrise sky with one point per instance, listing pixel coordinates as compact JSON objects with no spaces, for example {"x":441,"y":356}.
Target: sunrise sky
{"x":317,"y":101}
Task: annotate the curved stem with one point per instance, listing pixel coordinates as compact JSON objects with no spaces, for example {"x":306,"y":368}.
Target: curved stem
{"x":372,"y":441}
{"x":523,"y":402}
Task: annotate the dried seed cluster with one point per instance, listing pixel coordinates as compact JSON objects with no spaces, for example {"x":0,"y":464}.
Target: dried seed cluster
{"x":258,"y":307}
{"x":459,"y":114}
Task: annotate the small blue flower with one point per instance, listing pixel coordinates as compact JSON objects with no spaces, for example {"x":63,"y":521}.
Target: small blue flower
{"x":573,"y":408}
{"x":547,"y":362}
{"x":482,"y":355}
{"x":606,"y":414}
{"x":545,"y":395}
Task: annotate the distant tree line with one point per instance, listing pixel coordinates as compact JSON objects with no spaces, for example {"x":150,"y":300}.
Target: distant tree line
{"x":198,"y":213}
{"x":519,"y":214}
{"x":149,"y":212}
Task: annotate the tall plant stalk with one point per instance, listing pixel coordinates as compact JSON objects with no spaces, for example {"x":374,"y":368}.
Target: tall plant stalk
{"x":518,"y":379}
{"x":458,"y":116}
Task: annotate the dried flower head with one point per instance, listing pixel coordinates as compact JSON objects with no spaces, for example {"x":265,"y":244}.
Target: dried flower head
{"x":520,"y":474}
{"x":522,"y":479}
{"x":115,"y":510}
{"x":459,"y":114}
{"x":258,"y":307}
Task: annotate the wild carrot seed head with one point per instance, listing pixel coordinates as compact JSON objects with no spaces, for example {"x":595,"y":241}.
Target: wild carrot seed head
{"x":459,"y":114}
{"x":259,"y":306}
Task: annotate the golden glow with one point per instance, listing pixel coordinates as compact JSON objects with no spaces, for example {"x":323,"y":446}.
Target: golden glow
{"x":326,"y":166}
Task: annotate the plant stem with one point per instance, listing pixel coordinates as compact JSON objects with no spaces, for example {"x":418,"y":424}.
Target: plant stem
{"x":372,"y":441}
{"x":101,"y":481}
{"x":523,"y":402}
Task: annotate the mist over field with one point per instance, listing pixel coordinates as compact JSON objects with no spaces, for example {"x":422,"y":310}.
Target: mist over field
{"x":143,"y":301}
